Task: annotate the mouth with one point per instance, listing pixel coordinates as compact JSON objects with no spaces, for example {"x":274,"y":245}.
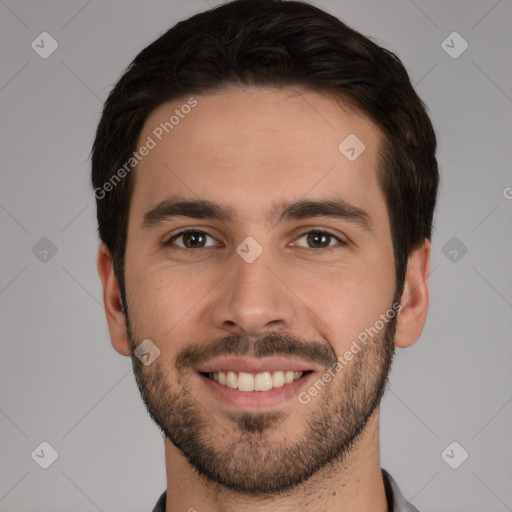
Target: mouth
{"x":253,"y":385}
{"x":255,"y":382}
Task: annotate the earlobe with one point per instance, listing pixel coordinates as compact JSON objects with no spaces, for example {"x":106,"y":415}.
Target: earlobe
{"x":112,"y":302}
{"x":415,"y":297}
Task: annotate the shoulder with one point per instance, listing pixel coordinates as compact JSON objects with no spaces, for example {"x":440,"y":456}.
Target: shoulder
{"x":160,"y":504}
{"x":395,"y":498}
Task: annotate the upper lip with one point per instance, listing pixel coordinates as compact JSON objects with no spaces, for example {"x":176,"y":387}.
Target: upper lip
{"x":251,"y":365}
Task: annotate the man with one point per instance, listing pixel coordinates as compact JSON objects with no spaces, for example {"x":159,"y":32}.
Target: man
{"x":265,"y":180}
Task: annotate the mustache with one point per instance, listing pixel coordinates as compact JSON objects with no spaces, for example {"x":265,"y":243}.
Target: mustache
{"x":270,"y":344}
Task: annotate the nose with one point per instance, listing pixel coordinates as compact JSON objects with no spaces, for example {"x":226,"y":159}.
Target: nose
{"x":254,"y":298}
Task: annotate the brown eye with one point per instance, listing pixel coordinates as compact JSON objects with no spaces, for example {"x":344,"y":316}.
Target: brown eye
{"x":318,"y":239}
{"x":191,"y":239}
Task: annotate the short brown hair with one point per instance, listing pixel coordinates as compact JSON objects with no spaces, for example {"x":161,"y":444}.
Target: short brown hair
{"x":274,"y":43}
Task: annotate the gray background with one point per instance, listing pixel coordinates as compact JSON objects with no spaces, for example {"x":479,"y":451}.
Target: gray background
{"x":63,"y":383}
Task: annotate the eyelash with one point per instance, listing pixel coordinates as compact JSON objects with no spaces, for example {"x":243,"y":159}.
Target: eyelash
{"x":169,"y":243}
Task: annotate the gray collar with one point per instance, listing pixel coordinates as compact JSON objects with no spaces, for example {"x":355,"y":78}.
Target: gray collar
{"x":396,"y":502}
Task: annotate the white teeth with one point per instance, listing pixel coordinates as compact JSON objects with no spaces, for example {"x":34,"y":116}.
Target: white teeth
{"x":260,"y":382}
{"x":278,"y":379}
{"x":232,"y":380}
{"x":245,"y":381}
{"x":288,"y":377}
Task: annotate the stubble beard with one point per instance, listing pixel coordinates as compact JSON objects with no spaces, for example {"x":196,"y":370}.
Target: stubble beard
{"x":250,"y":452}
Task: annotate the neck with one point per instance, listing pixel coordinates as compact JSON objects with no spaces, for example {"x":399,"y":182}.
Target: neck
{"x":354,"y":484}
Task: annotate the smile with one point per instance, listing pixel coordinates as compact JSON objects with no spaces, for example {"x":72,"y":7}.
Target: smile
{"x":252,"y":391}
{"x":244,"y":381}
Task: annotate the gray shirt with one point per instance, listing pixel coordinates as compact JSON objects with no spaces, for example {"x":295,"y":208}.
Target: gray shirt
{"x":396,"y":502}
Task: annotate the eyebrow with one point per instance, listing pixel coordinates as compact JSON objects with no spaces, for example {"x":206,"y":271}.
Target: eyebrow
{"x":336,"y":208}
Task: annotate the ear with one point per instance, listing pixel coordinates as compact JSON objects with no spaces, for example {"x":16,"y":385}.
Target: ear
{"x":413,"y":314}
{"x":112,"y":302}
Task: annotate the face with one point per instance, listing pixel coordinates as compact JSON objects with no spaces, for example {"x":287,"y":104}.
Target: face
{"x":286,"y":262}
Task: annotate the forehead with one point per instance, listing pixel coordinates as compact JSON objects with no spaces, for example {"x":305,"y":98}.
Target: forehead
{"x":252,"y":148}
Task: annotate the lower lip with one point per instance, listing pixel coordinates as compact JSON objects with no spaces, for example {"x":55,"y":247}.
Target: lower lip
{"x":256,"y":399}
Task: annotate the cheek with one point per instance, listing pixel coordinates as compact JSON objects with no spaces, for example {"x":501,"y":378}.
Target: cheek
{"x":160,"y":300}
{"x":348,"y":304}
